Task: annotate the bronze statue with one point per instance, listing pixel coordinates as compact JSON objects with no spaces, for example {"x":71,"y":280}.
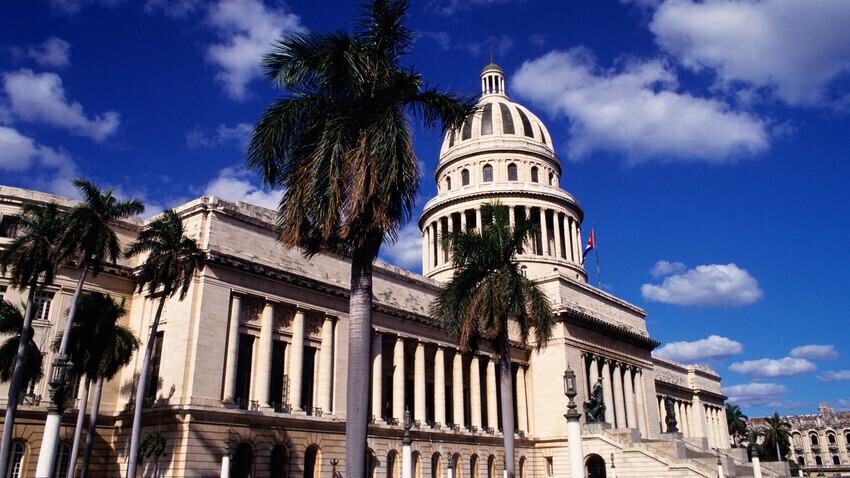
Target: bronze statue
{"x":594,"y":408}
{"x":670,"y":420}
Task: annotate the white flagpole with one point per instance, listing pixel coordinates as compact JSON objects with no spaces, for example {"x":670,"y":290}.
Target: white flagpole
{"x":596,"y":250}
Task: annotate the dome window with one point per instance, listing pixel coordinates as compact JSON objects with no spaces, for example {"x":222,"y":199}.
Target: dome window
{"x":512,"y":172}
{"x":467,"y":129}
{"x":507,"y":119}
{"x":487,"y":119}
{"x":488,"y":173}
{"x":464,"y":177}
{"x":526,"y":124}
{"x":451,"y":138}
{"x":448,"y":184}
{"x":534,"y":175}
{"x":551,"y":179}
{"x":542,"y":136}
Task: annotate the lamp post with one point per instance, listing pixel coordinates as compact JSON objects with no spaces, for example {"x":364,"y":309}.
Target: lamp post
{"x":573,"y":425}
{"x":406,"y":452}
{"x":59,"y":388}
{"x":720,"y":472}
{"x":751,"y":442}
{"x":225,"y":459}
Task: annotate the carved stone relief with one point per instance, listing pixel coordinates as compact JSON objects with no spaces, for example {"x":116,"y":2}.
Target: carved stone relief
{"x":252,"y":308}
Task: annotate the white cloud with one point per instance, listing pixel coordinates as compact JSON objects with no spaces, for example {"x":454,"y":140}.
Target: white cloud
{"x":235,"y":185}
{"x":770,"y":368}
{"x":501,"y":44}
{"x":796,"y":48}
{"x":755,"y":394}
{"x":406,"y":252}
{"x":239,"y":135}
{"x":54,"y":52}
{"x":712,"y":348}
{"x":831,"y":376}
{"x":635,"y":110}
{"x":173,"y":8}
{"x":840,"y":405}
{"x":450,"y":7}
{"x":815,"y":352}
{"x":18,"y":153}
{"x":41,"y":98}
{"x":714,"y":285}
{"x":665,"y":268}
{"x":71,"y":7}
{"x":247,"y":29}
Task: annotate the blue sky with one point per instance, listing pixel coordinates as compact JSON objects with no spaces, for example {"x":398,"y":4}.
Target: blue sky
{"x":706,"y":140}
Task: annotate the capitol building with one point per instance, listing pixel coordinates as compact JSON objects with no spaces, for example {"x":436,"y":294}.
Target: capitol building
{"x":252,"y":363}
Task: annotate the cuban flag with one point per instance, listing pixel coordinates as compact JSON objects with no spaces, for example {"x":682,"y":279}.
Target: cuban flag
{"x":591,"y":243}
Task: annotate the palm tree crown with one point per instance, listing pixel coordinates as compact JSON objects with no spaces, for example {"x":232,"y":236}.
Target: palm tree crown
{"x":35,"y":252}
{"x":776,"y":436}
{"x":12,"y":323}
{"x":736,"y":422}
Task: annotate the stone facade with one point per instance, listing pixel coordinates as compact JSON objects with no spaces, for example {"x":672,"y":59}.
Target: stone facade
{"x":253,"y":361}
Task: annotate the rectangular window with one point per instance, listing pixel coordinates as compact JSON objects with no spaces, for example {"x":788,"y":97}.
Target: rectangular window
{"x":2,"y":292}
{"x":307,"y":376}
{"x":244,"y":363}
{"x":153,"y":371}
{"x":42,"y":302}
{"x":276,"y":386}
{"x":8,"y":227}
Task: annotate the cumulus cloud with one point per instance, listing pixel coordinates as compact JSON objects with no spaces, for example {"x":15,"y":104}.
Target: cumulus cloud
{"x":247,"y":29}
{"x":19,"y":153}
{"x":792,"y":47}
{"x":770,"y":368}
{"x":755,"y":394}
{"x":712,"y":348}
{"x":832,"y":376}
{"x":635,"y":110}
{"x":53,"y":53}
{"x":815,"y":352}
{"x":40,"y":98}
{"x":173,"y":8}
{"x":238,"y":135}
{"x":235,"y":185}
{"x":406,"y":251}
{"x":665,"y":268}
{"x":714,"y":285}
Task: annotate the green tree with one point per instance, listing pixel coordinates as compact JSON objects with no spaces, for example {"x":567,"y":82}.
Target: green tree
{"x":88,"y":237}
{"x":487,"y":293}
{"x":171,"y":263}
{"x":12,"y":323}
{"x":30,"y":260}
{"x":152,"y":447}
{"x":339,"y":144}
{"x":736,"y":422}
{"x":777,"y":437}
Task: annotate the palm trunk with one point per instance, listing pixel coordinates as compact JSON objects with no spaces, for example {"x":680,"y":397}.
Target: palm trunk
{"x":507,"y":399}
{"x":78,"y":430}
{"x":359,"y":366}
{"x":95,"y":407}
{"x":778,"y":456}
{"x":15,"y":385}
{"x":136,"y":434}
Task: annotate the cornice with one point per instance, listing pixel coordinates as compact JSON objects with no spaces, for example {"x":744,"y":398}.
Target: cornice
{"x":615,"y":331}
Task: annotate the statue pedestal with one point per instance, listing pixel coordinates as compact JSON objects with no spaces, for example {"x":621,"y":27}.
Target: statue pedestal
{"x":672,"y":436}
{"x":595,"y":427}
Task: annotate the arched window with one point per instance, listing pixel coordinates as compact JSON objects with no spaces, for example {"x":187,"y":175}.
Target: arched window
{"x":830,"y":438}
{"x":522,"y":466}
{"x":836,"y":460}
{"x":473,"y":467}
{"x":801,"y":461}
{"x":371,"y":463}
{"x":464,"y":177}
{"x":280,"y":462}
{"x":534,"y":175}
{"x":448,"y":184}
{"x":551,"y":179}
{"x":61,"y":462}
{"x":313,"y":462}
{"x":488,"y":173}
{"x":392,"y":465}
{"x":417,"y":464}
{"x":436,"y":466}
{"x":818,"y":460}
{"x":814,"y":439}
{"x":457,"y":465}
{"x":595,"y":465}
{"x":16,"y":459}
{"x":243,"y":461}
{"x":512,"y":176}
{"x":491,"y":467}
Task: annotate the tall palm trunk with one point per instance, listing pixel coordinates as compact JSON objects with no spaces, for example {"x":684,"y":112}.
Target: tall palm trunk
{"x":136,"y":434}
{"x":78,"y":429}
{"x":359,"y":368}
{"x":49,"y":443}
{"x":15,"y":385}
{"x":95,"y":407}
{"x":507,"y":399}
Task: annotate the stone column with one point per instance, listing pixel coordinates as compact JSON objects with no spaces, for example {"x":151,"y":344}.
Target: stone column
{"x":398,"y":379}
{"x":574,"y":248}
{"x":529,"y":240}
{"x":425,"y":242}
{"x":463,"y":220}
{"x":296,"y":361}
{"x":478,"y":224}
{"x":475,"y":392}
{"x":579,"y":245}
{"x":377,"y":377}
{"x":265,"y":355}
{"x":232,"y":349}
{"x":593,"y":373}
{"x":680,"y":418}
{"x":619,"y":399}
{"x":492,"y":405}
{"x":556,"y":225}
{"x":640,"y":403}
{"x":697,"y":418}
{"x":419,"y":383}
{"x":457,"y":389}
{"x":521,"y":400}
{"x":511,"y":216}
{"x":629,"y":391}
{"x":544,"y":232}
{"x":709,"y":427}
{"x":724,"y":429}
{"x":607,"y":392}
{"x":326,"y":365}
{"x":440,"y":386}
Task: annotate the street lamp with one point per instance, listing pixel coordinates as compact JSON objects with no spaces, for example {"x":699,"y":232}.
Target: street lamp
{"x":406,"y":452}
{"x":573,"y":425}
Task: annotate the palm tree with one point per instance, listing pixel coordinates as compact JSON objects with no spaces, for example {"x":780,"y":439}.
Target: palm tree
{"x":99,"y":348}
{"x":486,"y":294}
{"x":736,"y":422}
{"x":171,"y":263}
{"x":11,"y":323}
{"x":777,"y":435}
{"x":30,"y":259}
{"x":87,"y":235}
{"x":339,"y":144}
{"x":152,"y":447}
